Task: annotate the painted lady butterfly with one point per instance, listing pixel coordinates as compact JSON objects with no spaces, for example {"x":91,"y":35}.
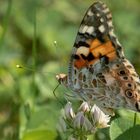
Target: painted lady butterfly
{"x":98,"y":70}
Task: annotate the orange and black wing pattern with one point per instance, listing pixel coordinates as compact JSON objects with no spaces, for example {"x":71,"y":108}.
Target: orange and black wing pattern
{"x":95,"y":39}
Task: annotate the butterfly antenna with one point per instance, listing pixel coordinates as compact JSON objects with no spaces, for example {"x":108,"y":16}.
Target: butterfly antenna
{"x":33,"y":70}
{"x":57,"y":49}
{"x":56,"y":96}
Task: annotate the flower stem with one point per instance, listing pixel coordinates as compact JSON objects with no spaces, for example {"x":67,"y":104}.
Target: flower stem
{"x":134,"y":124}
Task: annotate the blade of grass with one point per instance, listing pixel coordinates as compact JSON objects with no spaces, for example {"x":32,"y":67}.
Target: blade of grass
{"x":34,"y":49}
{"x":6,"y":21}
{"x":135,"y":119}
{"x":34,"y":40}
{"x":134,"y":124}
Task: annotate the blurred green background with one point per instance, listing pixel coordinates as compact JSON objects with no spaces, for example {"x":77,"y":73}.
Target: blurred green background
{"x":28,"y":108}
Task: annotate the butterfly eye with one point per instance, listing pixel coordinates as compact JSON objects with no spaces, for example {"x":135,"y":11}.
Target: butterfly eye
{"x":129,"y":93}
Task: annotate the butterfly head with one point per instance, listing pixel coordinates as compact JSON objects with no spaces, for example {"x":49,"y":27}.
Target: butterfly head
{"x":62,"y":78}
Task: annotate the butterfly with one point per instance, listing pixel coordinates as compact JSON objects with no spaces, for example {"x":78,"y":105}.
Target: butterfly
{"x":98,"y":70}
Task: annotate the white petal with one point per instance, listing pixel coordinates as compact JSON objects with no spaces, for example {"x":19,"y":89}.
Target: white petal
{"x":69,"y":113}
{"x":84,"y":107}
{"x":100,"y":119}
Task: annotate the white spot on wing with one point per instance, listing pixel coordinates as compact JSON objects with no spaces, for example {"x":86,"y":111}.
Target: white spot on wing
{"x":118,"y":42}
{"x":109,"y":16}
{"x":90,"y":13}
{"x":104,"y":6}
{"x":101,"y":28}
{"x":112,"y":33}
{"x":90,"y":29}
{"x":102,"y":20}
{"x":110,"y":23}
{"x":86,"y":29}
{"x":82,"y":50}
{"x":106,"y":10}
{"x":83,"y":29}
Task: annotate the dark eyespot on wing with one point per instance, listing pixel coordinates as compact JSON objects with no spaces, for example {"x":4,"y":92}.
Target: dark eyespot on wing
{"x":122,"y":72}
{"x":129,"y":85}
{"x":125,"y":78}
{"x":129,"y":93}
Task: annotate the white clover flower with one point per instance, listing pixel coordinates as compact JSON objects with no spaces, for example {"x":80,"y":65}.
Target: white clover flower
{"x":100,"y":119}
{"x":83,"y":122}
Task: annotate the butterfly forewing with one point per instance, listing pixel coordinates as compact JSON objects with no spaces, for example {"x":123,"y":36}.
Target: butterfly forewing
{"x":95,"y":41}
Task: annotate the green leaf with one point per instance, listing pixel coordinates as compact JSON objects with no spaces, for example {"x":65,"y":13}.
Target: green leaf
{"x":122,"y":129}
{"x":39,"y":135}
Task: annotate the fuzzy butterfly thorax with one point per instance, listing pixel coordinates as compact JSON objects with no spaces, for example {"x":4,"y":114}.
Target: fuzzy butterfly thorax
{"x":98,"y":70}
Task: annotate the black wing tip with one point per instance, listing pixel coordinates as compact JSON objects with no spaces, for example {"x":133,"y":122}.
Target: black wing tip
{"x":99,"y":3}
{"x":101,"y":8}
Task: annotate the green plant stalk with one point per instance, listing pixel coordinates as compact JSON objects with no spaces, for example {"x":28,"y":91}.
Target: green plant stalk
{"x":135,"y":119}
{"x":34,"y":50}
{"x":6,"y":21}
{"x":134,"y":124}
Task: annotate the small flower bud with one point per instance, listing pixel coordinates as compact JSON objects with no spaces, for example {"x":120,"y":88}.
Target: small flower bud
{"x":84,"y":107}
{"x":79,"y":120}
{"x":69,"y":113}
